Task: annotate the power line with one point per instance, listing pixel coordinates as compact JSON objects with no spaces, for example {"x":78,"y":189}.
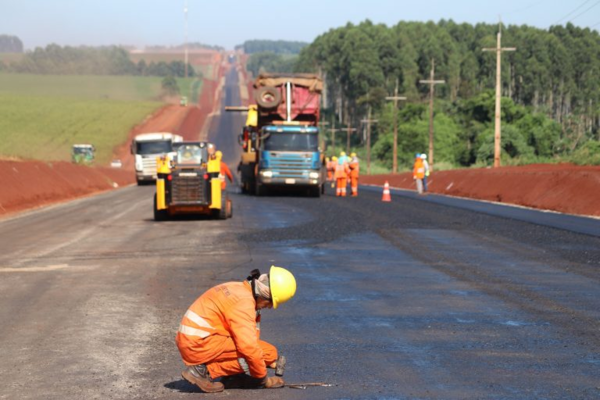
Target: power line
{"x":583,"y":12}
{"x":572,"y":12}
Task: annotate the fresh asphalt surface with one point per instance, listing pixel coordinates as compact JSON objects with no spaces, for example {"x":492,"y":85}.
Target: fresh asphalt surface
{"x":401,"y":300}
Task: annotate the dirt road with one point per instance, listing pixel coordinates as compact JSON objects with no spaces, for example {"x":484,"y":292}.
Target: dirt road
{"x":409,"y":299}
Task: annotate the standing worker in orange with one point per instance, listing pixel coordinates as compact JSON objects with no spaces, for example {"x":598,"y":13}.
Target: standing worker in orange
{"x":341,"y":175}
{"x":354,"y":169}
{"x":334,"y":160}
{"x":225,"y":171}
{"x":419,"y":172}
{"x":329,"y":165}
{"x":219,"y":334}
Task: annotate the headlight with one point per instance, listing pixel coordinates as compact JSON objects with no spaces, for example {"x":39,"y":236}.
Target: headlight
{"x":139,"y":165}
{"x":267,"y":174}
{"x":313,"y":175}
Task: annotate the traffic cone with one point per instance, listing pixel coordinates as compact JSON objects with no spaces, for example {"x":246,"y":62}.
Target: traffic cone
{"x":386,"y":192}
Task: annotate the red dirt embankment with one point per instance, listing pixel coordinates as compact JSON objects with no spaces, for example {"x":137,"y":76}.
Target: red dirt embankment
{"x":30,"y":184}
{"x":563,"y":187}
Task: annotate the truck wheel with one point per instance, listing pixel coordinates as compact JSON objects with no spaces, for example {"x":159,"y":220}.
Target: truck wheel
{"x":229,"y":209}
{"x":267,"y":97}
{"x":259,"y":189}
{"x":160,"y":215}
{"x":315,"y":191}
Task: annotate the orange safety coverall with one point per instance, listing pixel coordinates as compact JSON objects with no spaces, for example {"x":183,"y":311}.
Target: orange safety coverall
{"x":330,"y":170}
{"x":221,"y":327}
{"x":418,"y":169}
{"x":341,"y":177}
{"x":354,"y":177}
{"x":225,"y":171}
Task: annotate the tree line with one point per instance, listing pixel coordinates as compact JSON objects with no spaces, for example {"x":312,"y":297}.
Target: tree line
{"x":551,"y":87}
{"x":272,"y":46}
{"x":110,"y":60}
{"x":10,"y":44}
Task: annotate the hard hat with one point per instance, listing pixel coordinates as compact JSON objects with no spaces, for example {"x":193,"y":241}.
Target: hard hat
{"x":334,"y":158}
{"x":353,"y":155}
{"x":219,"y":154}
{"x":424,"y":156}
{"x":283,"y":285}
{"x":343,"y":154}
{"x":326,"y":159}
{"x":418,"y":155}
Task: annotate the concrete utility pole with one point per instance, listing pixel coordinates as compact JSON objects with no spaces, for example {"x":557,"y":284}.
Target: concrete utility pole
{"x":368,"y":121}
{"x":185,"y":11}
{"x":333,"y":130}
{"x":395,"y":98}
{"x":431,"y":82}
{"x":348,"y":130}
{"x":497,"y":131}
{"x":321,"y":135}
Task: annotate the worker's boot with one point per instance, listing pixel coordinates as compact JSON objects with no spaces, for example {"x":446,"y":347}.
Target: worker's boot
{"x":199,"y":376}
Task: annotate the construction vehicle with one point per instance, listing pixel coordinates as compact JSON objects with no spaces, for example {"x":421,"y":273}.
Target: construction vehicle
{"x":190,"y":182}
{"x":83,"y":154}
{"x":280,"y":139}
{"x":146,"y":147}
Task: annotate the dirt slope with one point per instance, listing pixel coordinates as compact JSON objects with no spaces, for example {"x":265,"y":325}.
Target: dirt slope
{"x":564,"y":188}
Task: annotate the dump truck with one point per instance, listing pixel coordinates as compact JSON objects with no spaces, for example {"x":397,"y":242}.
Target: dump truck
{"x":189,"y":182}
{"x":146,"y":147}
{"x":83,"y":154}
{"x":280,"y":139}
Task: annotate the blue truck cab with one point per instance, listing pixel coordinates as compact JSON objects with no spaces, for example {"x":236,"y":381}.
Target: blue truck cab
{"x":290,"y":156}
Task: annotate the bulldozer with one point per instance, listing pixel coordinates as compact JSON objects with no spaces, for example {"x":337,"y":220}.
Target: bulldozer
{"x":190,"y":183}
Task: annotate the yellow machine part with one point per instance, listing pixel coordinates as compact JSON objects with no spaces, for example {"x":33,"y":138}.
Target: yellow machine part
{"x":160,"y":194}
{"x":215,"y":187}
{"x":252,"y":118}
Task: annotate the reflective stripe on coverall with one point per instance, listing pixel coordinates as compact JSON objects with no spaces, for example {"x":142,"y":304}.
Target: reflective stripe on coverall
{"x":354,"y":168}
{"x":341,"y":177}
{"x":220,"y":328}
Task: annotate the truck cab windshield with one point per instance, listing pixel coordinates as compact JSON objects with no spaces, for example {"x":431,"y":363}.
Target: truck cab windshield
{"x":291,"y":142}
{"x":160,"y":147}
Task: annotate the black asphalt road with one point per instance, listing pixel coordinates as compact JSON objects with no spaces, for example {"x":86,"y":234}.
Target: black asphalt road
{"x":401,"y":300}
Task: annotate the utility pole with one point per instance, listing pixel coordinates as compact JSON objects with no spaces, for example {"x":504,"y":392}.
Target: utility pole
{"x":333,"y":130}
{"x":368,"y":121}
{"x":431,"y":82}
{"x":395,"y":98}
{"x":497,"y":131}
{"x":322,"y":124}
{"x":185,"y":11}
{"x":348,"y":130}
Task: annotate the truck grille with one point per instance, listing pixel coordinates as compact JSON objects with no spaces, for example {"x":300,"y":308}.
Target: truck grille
{"x":188,"y":190}
{"x":291,"y":165}
{"x":149,"y":166}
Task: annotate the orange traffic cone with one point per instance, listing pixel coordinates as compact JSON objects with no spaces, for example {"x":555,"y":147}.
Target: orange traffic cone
{"x":386,"y":192}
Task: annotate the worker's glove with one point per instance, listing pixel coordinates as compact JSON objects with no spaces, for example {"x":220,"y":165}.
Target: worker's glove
{"x":273,"y":382}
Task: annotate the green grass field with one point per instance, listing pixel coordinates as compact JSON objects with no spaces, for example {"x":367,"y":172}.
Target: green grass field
{"x":42,"y":116}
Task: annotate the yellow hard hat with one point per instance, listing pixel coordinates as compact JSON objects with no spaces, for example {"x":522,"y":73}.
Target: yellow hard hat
{"x":283,"y":285}
{"x":334,"y":158}
{"x":327,"y":159}
{"x":353,"y":155}
{"x":343,"y":154}
{"x":219,"y":154}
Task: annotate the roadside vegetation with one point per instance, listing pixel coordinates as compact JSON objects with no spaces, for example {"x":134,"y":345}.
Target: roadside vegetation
{"x":42,"y":116}
{"x":551,"y":90}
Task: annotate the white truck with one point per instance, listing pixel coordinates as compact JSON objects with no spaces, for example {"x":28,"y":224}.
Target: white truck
{"x":146,"y":147}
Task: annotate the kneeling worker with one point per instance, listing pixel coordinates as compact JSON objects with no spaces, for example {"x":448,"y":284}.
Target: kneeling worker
{"x":219,"y":334}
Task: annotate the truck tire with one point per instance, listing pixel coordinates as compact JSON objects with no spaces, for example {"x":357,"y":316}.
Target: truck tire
{"x":229,"y":209}
{"x":315,"y":191}
{"x":160,"y":215}
{"x":259,"y":190}
{"x":267,"y":97}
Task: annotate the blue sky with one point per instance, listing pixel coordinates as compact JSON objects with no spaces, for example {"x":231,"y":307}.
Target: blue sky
{"x":227,"y":23}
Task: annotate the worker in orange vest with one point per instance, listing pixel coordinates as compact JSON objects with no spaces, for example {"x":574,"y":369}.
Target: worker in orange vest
{"x":219,"y":335}
{"x":330,"y":165}
{"x":419,"y":172}
{"x":341,"y":175}
{"x":354,"y":169}
{"x":225,"y":171}
{"x":334,"y":160}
